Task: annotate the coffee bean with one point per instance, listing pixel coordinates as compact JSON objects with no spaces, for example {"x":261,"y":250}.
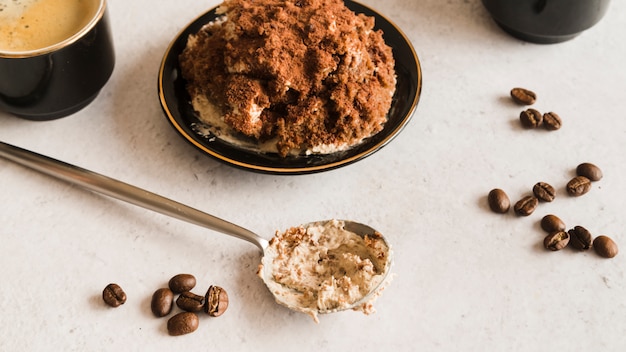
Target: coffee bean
{"x":590,"y":171}
{"x":526,"y":206}
{"x":498,"y":201}
{"x":190,"y":302}
{"x":551,"y":121}
{"x":605,"y":247}
{"x":182,"y":282}
{"x":215,"y":301}
{"x":552,"y":223}
{"x":113,"y":295}
{"x":182,"y":323}
{"x":523,"y":96}
{"x":580,"y":238}
{"x":162,"y":301}
{"x":556,"y":240}
{"x":578,"y":186}
{"x":531,"y":118}
{"x":544,"y":192}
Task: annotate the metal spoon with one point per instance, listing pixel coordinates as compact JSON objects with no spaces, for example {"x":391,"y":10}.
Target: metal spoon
{"x":116,"y":189}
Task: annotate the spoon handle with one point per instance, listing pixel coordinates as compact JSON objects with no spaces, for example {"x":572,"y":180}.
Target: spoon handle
{"x":125,"y":192}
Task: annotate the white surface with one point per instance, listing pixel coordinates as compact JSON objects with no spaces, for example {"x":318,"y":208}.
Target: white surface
{"x":467,"y":279}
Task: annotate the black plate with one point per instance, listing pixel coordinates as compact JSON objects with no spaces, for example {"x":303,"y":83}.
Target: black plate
{"x":177,"y":106}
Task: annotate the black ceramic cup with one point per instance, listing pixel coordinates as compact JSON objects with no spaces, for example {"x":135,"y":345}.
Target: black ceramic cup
{"x":546,"y":21}
{"x":59,"y":79}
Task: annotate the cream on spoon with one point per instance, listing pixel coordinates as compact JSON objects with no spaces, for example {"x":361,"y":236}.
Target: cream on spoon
{"x":320,"y":267}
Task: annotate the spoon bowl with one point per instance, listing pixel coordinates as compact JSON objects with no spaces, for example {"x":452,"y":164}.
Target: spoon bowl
{"x":125,"y":192}
{"x":326,"y":266}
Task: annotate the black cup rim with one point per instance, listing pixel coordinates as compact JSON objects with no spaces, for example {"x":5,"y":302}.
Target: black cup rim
{"x":63,"y":44}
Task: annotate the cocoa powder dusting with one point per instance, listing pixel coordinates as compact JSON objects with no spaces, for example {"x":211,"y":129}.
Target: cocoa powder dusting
{"x":306,"y":72}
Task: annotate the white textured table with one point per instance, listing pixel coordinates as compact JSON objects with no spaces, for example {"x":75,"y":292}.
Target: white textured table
{"x":467,"y":279}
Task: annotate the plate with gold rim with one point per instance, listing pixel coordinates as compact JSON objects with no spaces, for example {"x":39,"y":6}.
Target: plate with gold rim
{"x":176,"y":104}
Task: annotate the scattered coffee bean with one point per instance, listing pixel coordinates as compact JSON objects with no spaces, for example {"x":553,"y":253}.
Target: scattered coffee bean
{"x":556,"y":240}
{"x":162,"y":301}
{"x":552,"y":223}
{"x":523,"y":96}
{"x":215,"y":301}
{"x":590,"y":171}
{"x":531,"y":118}
{"x":551,"y":121}
{"x":498,"y":201}
{"x":182,"y":323}
{"x":526,"y":206}
{"x":605,"y":246}
{"x":580,"y":238}
{"x":113,"y":295}
{"x":578,"y":186}
{"x":544,"y":192}
{"x":182,"y":283}
{"x":190,"y":302}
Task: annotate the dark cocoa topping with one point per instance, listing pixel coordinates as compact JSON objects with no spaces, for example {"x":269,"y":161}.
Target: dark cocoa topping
{"x":319,"y":73}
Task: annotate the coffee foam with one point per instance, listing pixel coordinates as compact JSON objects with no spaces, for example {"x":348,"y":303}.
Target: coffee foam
{"x":27,"y":25}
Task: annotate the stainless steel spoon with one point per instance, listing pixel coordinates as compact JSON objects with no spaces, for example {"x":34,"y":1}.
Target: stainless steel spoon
{"x":116,"y":189}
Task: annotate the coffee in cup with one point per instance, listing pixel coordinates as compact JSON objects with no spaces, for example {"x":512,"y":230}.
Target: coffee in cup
{"x":55,"y":56}
{"x":27,"y":25}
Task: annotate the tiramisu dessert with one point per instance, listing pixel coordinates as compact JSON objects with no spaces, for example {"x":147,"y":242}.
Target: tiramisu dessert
{"x":290,"y":76}
{"x":324,"y":267}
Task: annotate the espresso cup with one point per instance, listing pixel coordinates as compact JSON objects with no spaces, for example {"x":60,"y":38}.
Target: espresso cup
{"x":55,"y":56}
{"x":546,"y":21}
